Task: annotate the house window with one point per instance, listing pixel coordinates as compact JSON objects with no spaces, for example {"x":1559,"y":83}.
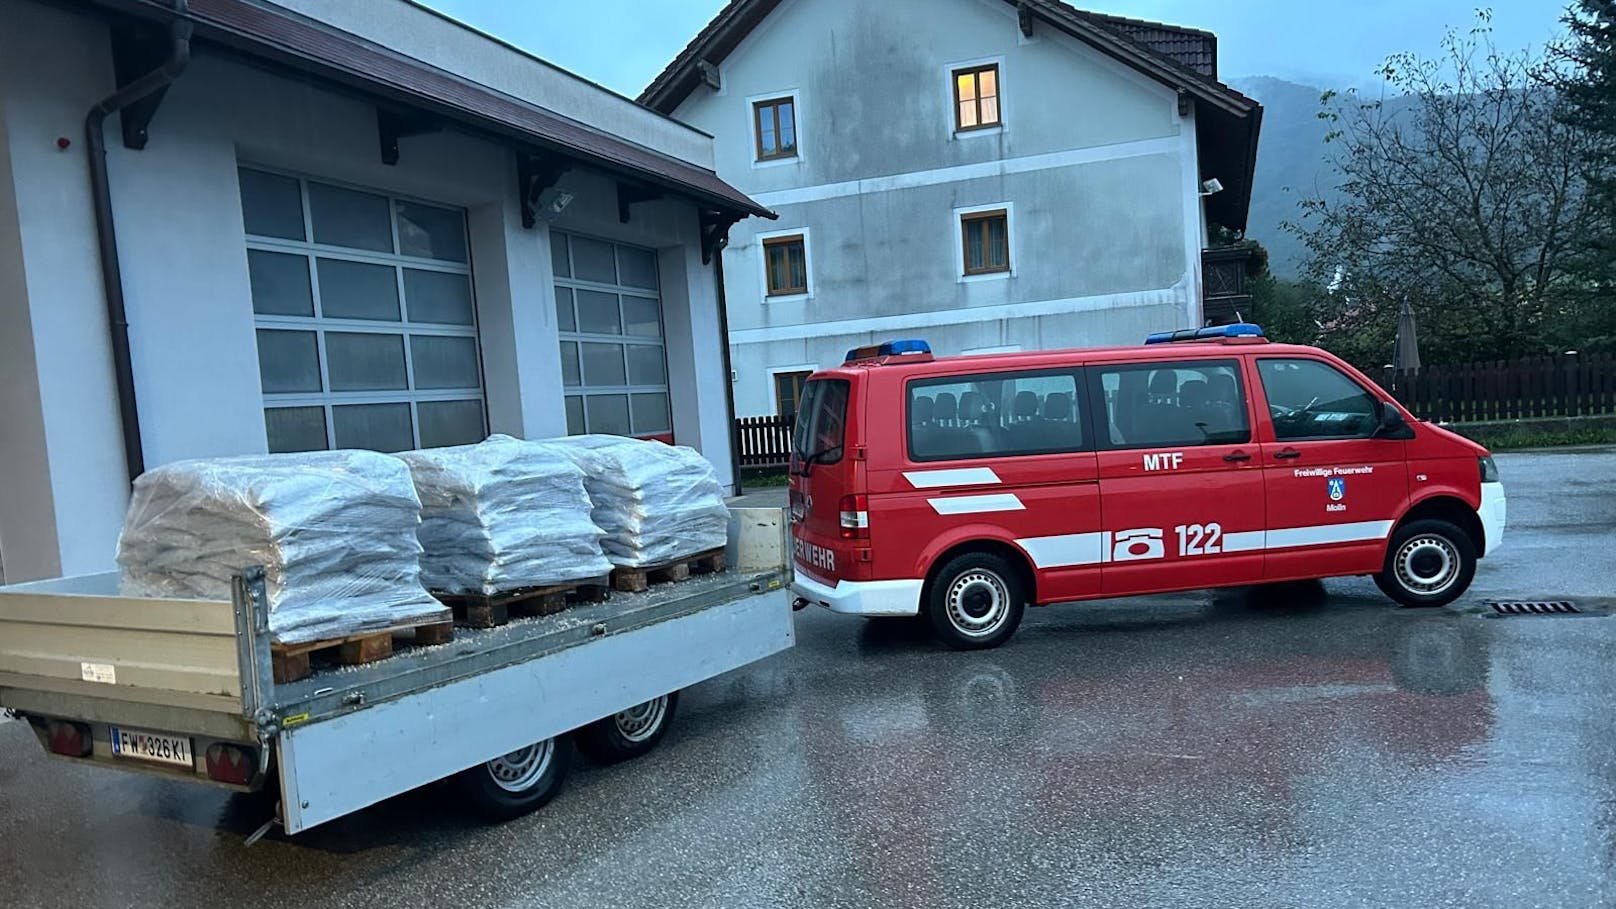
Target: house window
{"x":788,"y":391}
{"x":775,"y":122}
{"x":986,"y":240}
{"x":785,"y":265}
{"x":976,"y":97}
{"x":366,"y":328}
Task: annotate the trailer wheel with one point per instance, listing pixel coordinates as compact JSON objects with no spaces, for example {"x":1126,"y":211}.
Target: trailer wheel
{"x":514,"y":784}
{"x":630,"y":733}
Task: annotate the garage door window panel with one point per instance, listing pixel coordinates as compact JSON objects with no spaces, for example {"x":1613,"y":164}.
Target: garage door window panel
{"x":613,"y":359}
{"x":383,"y":353}
{"x":280,"y":283}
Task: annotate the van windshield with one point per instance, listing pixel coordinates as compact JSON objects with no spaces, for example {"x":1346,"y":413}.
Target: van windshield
{"x":821,"y":422}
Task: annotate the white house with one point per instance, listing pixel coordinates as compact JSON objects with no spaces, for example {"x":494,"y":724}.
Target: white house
{"x":327,"y":224}
{"x":984,"y":174}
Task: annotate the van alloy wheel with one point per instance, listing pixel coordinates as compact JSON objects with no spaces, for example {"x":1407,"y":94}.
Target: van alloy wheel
{"x":978,"y":603}
{"x":1427,"y":565}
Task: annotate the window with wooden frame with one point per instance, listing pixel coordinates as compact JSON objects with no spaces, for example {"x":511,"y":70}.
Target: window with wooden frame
{"x":985,"y":237}
{"x":788,"y":392}
{"x":774,"y":123}
{"x":976,"y":97}
{"x":785,"y":265}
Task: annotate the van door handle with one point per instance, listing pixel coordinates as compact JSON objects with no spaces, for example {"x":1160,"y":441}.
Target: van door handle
{"x":1287,"y":453}
{"x":1236,"y":456}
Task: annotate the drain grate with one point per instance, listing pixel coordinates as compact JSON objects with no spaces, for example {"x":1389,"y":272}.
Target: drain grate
{"x":1533,"y":607}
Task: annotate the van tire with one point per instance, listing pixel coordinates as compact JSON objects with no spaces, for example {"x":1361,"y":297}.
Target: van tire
{"x":630,"y":733}
{"x":1429,"y":563}
{"x":975,"y":601}
{"x":514,"y":784}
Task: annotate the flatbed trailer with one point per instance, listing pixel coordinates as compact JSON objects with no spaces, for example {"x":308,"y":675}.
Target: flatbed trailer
{"x":184,"y":688}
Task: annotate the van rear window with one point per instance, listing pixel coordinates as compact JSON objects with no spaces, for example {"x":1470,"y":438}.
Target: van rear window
{"x":821,"y":422}
{"x":995,"y":414}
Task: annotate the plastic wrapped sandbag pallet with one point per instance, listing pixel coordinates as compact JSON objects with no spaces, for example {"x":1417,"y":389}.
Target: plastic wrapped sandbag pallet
{"x":334,"y":530}
{"x":502,"y":515}
{"x":657,"y":503}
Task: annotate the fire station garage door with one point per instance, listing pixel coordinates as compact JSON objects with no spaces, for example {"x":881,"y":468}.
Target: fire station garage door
{"x":613,"y":362}
{"x":367,"y":333}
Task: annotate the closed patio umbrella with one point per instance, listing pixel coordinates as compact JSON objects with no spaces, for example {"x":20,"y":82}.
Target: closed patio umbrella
{"x":1406,"y":351}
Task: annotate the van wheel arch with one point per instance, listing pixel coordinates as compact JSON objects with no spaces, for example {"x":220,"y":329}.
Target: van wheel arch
{"x":1450,"y":509}
{"x":1012,"y":554}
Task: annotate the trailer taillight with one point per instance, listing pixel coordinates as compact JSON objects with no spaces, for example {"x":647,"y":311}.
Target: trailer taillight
{"x":70,"y":739}
{"x":855,"y":517}
{"x":230,"y":763}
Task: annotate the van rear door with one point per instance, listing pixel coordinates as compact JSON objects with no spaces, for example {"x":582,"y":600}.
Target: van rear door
{"x":824,"y":479}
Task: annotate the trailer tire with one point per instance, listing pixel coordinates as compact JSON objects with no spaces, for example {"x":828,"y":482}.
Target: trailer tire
{"x":630,"y":733}
{"x":514,"y":784}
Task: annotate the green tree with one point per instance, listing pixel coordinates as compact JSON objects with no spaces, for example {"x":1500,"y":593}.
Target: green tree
{"x":1465,"y":195}
{"x":1588,"y":95}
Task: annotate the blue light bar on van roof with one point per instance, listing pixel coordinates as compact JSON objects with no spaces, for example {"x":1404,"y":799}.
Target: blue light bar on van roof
{"x":1211,"y":332}
{"x":888,"y":349}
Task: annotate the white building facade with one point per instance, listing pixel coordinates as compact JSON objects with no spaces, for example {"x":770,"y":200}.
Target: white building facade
{"x":983,"y":174}
{"x":341,"y":225}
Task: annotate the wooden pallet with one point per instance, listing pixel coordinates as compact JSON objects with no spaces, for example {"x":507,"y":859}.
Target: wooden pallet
{"x":634,"y":580}
{"x":291,"y":662}
{"x":478,"y":610}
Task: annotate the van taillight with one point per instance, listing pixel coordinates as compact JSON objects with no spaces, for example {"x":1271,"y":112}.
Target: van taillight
{"x":855,"y":517}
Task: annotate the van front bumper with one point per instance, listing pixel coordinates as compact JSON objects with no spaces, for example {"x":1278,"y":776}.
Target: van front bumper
{"x":861,"y":597}
{"x":1492,"y":513}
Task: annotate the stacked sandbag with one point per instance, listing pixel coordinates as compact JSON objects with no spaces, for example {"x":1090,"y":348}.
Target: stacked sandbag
{"x":333,"y":530}
{"x":501,"y":515}
{"x":656,"y":503}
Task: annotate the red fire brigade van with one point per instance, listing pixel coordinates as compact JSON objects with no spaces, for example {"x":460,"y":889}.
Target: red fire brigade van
{"x":967,"y":488}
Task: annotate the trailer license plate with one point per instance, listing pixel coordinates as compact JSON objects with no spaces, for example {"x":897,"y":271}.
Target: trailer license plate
{"x":139,"y":745}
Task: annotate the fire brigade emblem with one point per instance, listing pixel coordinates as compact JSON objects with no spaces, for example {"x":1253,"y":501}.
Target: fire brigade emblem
{"x":1338,"y":488}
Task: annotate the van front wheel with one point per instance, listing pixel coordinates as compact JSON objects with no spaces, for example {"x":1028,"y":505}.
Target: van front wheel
{"x":975,"y":601}
{"x":1428,"y":563}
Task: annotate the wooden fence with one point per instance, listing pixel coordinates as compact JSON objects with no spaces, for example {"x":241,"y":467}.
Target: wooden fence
{"x":1564,"y":386}
{"x":764,"y":441}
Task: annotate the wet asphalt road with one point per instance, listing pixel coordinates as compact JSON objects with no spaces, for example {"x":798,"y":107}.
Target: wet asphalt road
{"x":1316,"y":748}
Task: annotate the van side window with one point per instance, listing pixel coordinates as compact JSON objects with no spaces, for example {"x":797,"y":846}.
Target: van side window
{"x":1156,"y":405}
{"x":1308,"y":399}
{"x":994,"y":415}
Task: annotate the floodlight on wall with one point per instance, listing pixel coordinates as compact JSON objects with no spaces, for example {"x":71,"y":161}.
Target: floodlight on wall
{"x":1211,"y":186}
{"x":554,"y":201}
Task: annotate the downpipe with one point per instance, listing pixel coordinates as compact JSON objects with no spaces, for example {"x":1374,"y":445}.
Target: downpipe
{"x":106,"y":231}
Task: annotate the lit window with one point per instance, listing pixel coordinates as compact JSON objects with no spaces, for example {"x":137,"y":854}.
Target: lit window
{"x":785,"y":261}
{"x":775,"y":122}
{"x":976,"y":97}
{"x":986,"y":240}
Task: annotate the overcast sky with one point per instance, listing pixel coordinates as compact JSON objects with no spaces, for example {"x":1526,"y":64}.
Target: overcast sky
{"x":623,"y":44}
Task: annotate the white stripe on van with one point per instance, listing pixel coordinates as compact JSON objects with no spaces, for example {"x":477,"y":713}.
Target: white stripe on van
{"x":1066,"y":549}
{"x":1071,"y":549}
{"x":1325,"y":534}
{"x":977,"y":504}
{"x":958,"y":476}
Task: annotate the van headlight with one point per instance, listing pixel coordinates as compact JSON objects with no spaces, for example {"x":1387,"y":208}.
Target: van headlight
{"x":1489,"y":470}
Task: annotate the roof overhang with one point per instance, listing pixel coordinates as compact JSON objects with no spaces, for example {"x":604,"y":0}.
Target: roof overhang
{"x":291,"y":43}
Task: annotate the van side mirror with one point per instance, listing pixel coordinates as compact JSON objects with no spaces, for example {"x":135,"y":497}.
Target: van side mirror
{"x":1391,"y":424}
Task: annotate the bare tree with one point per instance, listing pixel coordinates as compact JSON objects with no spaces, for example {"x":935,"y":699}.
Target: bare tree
{"x":1461,"y":191}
